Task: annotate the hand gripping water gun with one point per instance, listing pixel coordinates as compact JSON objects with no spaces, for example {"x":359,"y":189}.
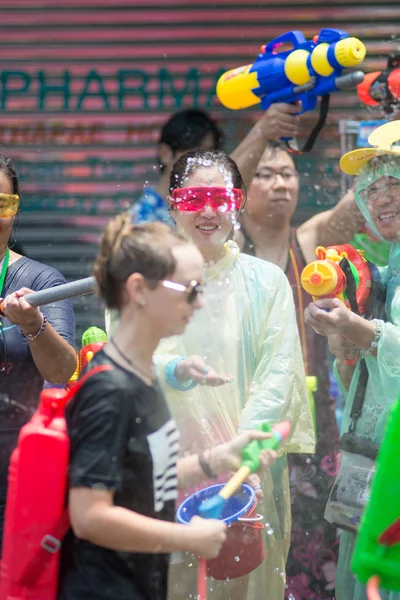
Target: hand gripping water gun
{"x":312,"y":68}
{"x":342,"y":272}
{"x":382,"y":88}
{"x":80,"y":287}
{"x":36,"y":516}
{"x":376,"y":558}
{"x":212,"y":507}
{"x":93,"y":340}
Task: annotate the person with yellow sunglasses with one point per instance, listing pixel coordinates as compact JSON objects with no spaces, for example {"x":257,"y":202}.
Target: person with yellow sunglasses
{"x":36,"y":345}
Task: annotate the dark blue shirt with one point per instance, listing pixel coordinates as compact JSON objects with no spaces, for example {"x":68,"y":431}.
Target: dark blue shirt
{"x":21,"y":382}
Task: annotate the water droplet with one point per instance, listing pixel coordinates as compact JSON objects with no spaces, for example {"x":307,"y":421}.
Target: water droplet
{"x":236,"y":558}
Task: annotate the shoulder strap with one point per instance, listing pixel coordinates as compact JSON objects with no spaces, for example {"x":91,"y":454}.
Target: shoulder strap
{"x":323,"y":112}
{"x":359,"y":396}
{"x":51,"y":542}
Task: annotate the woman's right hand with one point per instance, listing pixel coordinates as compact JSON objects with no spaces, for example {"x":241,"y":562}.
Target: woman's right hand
{"x":207,"y":537}
{"x":196,"y":368}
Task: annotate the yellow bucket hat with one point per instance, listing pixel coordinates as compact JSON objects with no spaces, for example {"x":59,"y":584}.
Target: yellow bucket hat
{"x":383,"y":138}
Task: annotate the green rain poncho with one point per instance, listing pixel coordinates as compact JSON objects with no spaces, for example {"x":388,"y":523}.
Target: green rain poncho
{"x":248,"y":329}
{"x":384,"y":373}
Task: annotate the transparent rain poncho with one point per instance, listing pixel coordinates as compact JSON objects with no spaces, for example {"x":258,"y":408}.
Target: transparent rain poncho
{"x":383,"y":386}
{"x":248,"y":329}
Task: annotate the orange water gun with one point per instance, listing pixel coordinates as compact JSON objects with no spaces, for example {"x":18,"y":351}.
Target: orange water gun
{"x":341,"y":272}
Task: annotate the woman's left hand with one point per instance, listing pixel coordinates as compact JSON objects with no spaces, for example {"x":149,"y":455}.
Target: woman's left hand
{"x":228,"y":457}
{"x":19,"y":312}
{"x":328,"y":316}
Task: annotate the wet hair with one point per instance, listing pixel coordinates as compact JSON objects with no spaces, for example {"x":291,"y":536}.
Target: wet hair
{"x":7,"y":166}
{"x":273,"y":147}
{"x":190,"y":162}
{"x":186,"y":130}
{"x":126,"y":248}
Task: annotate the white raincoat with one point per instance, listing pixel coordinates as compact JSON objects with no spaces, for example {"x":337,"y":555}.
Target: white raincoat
{"x":248,"y":329}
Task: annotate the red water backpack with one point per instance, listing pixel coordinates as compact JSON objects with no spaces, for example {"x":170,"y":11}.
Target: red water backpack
{"x":36,"y":516}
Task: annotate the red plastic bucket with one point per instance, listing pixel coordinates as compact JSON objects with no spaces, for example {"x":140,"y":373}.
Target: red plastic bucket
{"x":243,"y":550}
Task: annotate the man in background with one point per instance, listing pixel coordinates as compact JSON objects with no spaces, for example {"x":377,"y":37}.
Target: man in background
{"x":193,"y":129}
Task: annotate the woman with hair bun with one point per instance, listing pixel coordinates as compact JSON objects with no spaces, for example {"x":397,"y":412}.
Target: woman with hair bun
{"x":124,"y":467}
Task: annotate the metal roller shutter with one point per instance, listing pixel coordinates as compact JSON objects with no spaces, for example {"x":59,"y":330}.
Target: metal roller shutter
{"x":86,"y":84}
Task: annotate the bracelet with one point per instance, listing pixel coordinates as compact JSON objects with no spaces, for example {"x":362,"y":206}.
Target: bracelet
{"x":205,"y":467}
{"x":31,"y":336}
{"x":377,"y":336}
{"x":172,"y":379}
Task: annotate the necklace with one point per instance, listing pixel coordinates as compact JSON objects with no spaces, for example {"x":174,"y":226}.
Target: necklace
{"x":130,"y":362}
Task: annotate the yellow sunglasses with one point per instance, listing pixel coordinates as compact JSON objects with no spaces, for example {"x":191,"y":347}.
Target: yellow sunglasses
{"x":9,"y":205}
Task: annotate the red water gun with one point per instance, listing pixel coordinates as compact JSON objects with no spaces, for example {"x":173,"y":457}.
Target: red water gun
{"x":36,"y":516}
{"x":382,"y":88}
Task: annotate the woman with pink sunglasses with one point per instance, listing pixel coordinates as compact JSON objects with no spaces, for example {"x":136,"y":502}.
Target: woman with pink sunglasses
{"x":239,"y":362}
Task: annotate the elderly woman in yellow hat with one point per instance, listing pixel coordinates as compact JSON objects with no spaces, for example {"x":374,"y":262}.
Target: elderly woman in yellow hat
{"x":373,"y":385}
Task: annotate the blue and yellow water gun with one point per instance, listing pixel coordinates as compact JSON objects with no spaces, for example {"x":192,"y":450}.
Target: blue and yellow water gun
{"x":311,"y":68}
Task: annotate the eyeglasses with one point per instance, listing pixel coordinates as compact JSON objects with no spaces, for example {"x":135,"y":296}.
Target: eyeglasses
{"x":270,"y":176}
{"x":372,"y":192}
{"x":9,"y":205}
{"x":192,"y":290}
{"x":194,"y":199}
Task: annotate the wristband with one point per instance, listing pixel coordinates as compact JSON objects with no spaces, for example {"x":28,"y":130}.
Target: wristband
{"x":172,"y":379}
{"x":377,"y":336}
{"x":31,"y":336}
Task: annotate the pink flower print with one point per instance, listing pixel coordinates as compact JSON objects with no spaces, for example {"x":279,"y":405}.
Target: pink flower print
{"x":298,"y":588}
{"x":299,"y":482}
{"x":330,"y":464}
{"x":311,"y":552}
